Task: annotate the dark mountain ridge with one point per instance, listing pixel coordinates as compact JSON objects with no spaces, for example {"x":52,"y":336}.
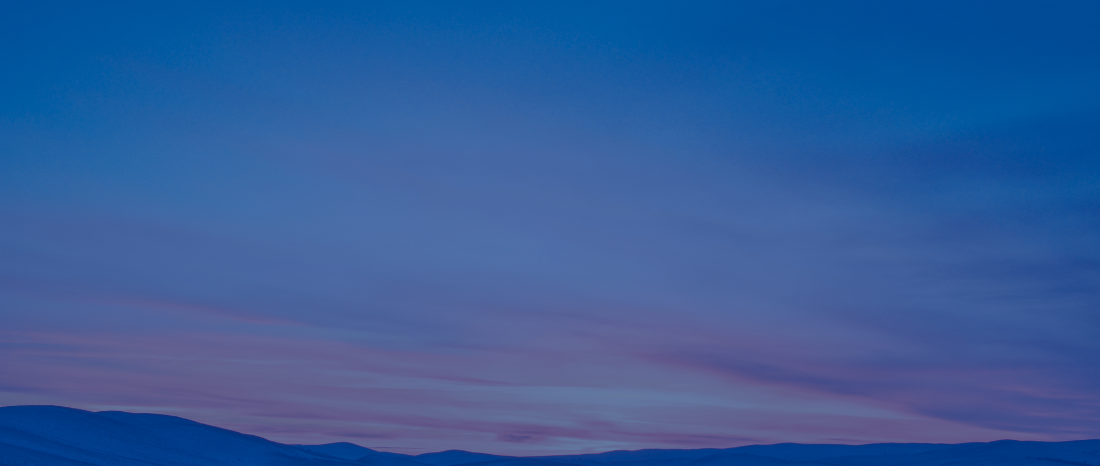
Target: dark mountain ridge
{"x":58,"y":436}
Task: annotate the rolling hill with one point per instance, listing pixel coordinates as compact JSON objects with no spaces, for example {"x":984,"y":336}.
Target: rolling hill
{"x":59,"y":436}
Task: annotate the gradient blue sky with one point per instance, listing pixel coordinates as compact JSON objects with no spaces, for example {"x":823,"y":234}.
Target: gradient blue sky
{"x":565,"y":227}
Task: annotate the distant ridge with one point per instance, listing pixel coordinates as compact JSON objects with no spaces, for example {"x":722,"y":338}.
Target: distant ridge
{"x":59,"y":436}
{"x":342,"y":450}
{"x":453,"y":457}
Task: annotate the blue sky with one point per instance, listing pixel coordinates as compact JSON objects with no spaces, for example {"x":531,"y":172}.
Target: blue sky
{"x":569,"y":227}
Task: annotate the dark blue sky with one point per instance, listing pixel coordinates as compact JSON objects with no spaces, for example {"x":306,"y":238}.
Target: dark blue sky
{"x":568,"y":227}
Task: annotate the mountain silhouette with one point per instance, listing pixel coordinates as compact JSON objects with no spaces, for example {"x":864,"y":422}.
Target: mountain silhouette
{"x":453,"y":457}
{"x":59,"y":436}
{"x":342,"y":450}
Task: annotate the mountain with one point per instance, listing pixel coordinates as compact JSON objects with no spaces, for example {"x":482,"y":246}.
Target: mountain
{"x":58,"y":436}
{"x":342,"y":450}
{"x":384,"y":459}
{"x":802,"y":452}
{"x":513,"y":461}
{"x":746,"y":460}
{"x":652,"y":462}
{"x":53,"y":435}
{"x":1002,"y":452}
{"x":453,"y":457}
{"x":635,"y":456}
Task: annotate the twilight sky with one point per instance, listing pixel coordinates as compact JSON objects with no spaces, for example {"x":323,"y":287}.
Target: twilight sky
{"x":568,"y":227}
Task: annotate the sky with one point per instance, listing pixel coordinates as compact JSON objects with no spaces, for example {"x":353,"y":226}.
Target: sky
{"x":556,"y":227}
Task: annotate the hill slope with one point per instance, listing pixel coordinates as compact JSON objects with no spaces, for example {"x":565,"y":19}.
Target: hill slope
{"x":53,"y":435}
{"x":57,"y":436}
